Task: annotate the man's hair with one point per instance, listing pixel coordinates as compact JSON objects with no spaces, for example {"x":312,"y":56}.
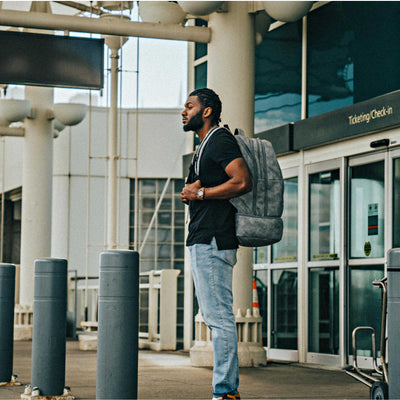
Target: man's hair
{"x":208,"y":98}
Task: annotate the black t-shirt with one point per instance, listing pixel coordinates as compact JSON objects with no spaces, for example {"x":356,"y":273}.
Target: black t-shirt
{"x":210,"y":217}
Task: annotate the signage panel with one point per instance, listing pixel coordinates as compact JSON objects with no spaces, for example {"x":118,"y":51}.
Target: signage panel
{"x":49,"y":60}
{"x":375,"y":114}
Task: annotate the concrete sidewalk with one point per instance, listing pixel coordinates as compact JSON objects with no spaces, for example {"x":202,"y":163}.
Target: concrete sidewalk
{"x":170,"y":376}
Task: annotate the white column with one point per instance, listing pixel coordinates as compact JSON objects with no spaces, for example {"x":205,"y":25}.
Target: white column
{"x":37,"y":173}
{"x":114,"y":43}
{"x":113,"y":155}
{"x":231,"y":74}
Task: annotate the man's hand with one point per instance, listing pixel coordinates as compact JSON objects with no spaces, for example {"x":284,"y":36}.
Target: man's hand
{"x":189,"y":192}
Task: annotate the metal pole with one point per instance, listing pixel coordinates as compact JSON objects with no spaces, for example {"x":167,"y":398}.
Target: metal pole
{"x":113,"y":154}
{"x":393,"y":303}
{"x":49,"y":326}
{"x":7,"y":289}
{"x":117,"y":341}
{"x":119,"y":27}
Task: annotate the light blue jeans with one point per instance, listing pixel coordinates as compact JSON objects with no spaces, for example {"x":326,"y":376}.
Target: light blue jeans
{"x":212,"y":275}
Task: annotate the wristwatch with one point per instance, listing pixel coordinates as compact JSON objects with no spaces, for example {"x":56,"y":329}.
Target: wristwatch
{"x":200,"y":193}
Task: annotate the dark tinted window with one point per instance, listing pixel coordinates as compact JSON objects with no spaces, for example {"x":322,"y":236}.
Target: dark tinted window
{"x":353,"y":53}
{"x":278,"y":77}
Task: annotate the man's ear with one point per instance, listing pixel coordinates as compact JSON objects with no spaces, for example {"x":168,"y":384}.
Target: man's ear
{"x":207,"y":112}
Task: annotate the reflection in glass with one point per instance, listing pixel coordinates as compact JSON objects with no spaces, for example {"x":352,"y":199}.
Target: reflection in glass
{"x":261,"y":277}
{"x":367,"y":210}
{"x":324,"y":211}
{"x":365,"y":302}
{"x":323,"y":336}
{"x":349,"y":62}
{"x":284,"y":309}
{"x":286,"y":249}
{"x":396,"y":202}
{"x":278,"y":77}
{"x":200,"y":75}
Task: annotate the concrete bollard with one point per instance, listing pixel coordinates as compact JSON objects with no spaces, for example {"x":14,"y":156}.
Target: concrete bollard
{"x":49,"y":326}
{"x":117,"y":341}
{"x":393,"y":293}
{"x":7,"y":293}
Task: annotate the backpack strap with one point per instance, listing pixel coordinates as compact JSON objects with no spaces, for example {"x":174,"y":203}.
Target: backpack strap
{"x":200,"y":150}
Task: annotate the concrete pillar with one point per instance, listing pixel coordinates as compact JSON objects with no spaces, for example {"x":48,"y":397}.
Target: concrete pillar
{"x":231,"y":74}
{"x":37,"y":173}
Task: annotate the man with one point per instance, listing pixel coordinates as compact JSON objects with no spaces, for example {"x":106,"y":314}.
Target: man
{"x":220,"y":175}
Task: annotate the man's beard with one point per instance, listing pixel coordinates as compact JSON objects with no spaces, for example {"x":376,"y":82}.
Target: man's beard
{"x":195,"y":123}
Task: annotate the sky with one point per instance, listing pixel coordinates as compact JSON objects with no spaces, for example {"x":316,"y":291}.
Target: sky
{"x":162,"y":66}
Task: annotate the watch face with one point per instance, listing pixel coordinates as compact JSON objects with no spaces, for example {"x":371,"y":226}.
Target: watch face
{"x":200,"y":193}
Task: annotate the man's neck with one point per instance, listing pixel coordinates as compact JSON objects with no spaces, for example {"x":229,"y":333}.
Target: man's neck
{"x":202,"y":133}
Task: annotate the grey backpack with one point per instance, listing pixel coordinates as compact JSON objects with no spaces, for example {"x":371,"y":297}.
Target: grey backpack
{"x":258,"y":217}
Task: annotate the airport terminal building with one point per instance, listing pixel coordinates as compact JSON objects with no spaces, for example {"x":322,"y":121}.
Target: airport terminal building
{"x":324,"y":89}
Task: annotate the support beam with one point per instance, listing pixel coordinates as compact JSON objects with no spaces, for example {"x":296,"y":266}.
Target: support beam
{"x":105,"y":26}
{"x":7,"y":131}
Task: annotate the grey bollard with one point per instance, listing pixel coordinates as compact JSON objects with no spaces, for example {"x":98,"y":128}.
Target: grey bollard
{"x":393,"y":293}
{"x":117,"y":340}
{"x":7,"y":293}
{"x":49,"y":326}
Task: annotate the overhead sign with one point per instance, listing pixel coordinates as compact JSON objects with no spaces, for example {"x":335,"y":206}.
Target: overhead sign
{"x":375,"y":114}
{"x":50,"y":60}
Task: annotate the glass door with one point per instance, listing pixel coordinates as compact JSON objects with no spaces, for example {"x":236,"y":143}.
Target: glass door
{"x":324,"y":258}
{"x":276,"y":276}
{"x":367,"y":249}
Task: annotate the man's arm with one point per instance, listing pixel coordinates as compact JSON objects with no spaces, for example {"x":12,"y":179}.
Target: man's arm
{"x":239,"y":182}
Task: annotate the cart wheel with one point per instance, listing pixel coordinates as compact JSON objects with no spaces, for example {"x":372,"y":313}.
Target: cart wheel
{"x":379,"y":391}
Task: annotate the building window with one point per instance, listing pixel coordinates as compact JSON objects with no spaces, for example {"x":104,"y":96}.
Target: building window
{"x":278,"y":78}
{"x":323,"y":310}
{"x":286,"y":249}
{"x":200,"y":49}
{"x":324,"y":215}
{"x":200,"y":75}
{"x":284,"y":309}
{"x":396,"y":203}
{"x":367,"y":210}
{"x":164,"y":248}
{"x":353,"y":53}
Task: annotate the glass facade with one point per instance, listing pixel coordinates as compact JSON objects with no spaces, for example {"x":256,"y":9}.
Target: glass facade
{"x":200,"y":75}
{"x":396,"y":202}
{"x":200,"y":49}
{"x":323,"y":310}
{"x":286,"y":249}
{"x":164,"y":248}
{"x":367,"y":210}
{"x":353,"y":53}
{"x":324,"y":215}
{"x":278,"y":78}
{"x":284,"y":309}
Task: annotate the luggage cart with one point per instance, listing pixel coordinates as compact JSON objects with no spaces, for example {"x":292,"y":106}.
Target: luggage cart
{"x":377,"y":379}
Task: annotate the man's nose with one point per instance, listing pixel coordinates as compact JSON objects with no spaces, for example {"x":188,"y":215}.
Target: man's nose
{"x":183,"y":113}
